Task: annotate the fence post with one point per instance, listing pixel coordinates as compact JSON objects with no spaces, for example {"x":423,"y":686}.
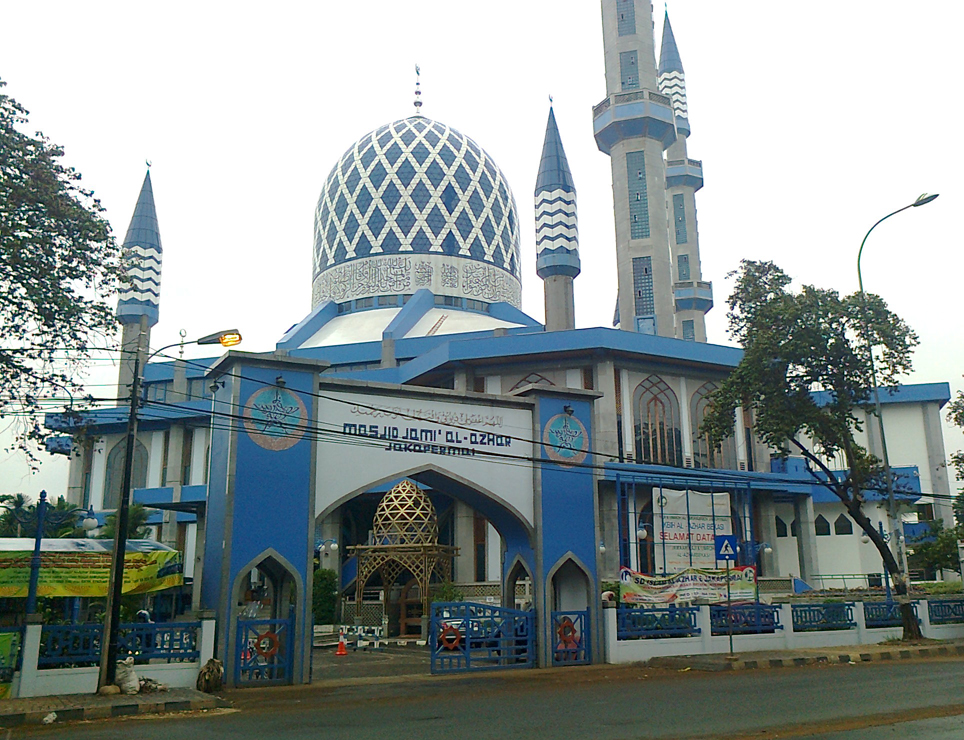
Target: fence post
{"x":860,"y":617}
{"x":705,"y":623}
{"x":786,"y":619}
{"x":206,"y":637}
{"x":609,"y":632}
{"x":30,"y":655}
{"x":924,"y":613}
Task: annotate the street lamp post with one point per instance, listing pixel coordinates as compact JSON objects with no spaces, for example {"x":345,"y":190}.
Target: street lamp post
{"x":895,"y":522}
{"x":43,"y":518}
{"x":108,"y":652}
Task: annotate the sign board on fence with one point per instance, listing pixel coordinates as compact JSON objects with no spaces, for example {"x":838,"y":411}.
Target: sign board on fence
{"x":684,"y":525}
{"x":726,"y":547}
{"x":704,"y":584}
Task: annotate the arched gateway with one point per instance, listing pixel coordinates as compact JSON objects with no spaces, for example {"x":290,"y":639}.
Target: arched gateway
{"x":310,"y":451}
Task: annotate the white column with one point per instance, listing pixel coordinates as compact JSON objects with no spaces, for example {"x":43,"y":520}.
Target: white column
{"x":626,"y":411}
{"x":98,"y":473}
{"x":493,"y":384}
{"x":686,"y":424}
{"x":155,"y":459}
{"x":199,"y":456}
{"x":30,"y":652}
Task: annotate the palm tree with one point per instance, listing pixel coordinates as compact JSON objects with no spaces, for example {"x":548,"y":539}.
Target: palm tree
{"x":137,"y":528}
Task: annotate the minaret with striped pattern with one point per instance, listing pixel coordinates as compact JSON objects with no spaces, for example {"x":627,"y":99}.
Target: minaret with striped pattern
{"x":139,"y":297}
{"x":684,"y":176}
{"x":557,"y":232}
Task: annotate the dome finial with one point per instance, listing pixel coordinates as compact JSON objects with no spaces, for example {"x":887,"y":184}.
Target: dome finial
{"x":418,"y":90}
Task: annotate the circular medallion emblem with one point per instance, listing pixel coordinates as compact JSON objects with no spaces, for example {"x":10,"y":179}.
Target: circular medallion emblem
{"x":565,"y":439}
{"x":275,"y":418}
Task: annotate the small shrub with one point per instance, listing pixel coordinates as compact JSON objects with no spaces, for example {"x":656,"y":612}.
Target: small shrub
{"x":447,"y":591}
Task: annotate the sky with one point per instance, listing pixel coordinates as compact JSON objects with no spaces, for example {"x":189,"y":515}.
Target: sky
{"x":812,"y":121}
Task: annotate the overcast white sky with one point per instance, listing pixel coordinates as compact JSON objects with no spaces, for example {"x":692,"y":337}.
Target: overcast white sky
{"x":813,"y":120}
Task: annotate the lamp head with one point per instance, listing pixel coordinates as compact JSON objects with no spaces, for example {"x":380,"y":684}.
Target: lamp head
{"x":227,"y":338}
{"x":90,"y":520}
{"x":924,"y":199}
{"x":642,"y":533}
{"x":864,"y":538}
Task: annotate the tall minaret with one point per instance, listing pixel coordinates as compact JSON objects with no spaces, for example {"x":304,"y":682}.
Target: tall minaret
{"x":138,"y":302}
{"x":684,"y":177}
{"x":557,"y":233}
{"x":633,"y":125}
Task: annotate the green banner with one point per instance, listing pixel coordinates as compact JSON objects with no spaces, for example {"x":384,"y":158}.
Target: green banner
{"x":88,"y":573}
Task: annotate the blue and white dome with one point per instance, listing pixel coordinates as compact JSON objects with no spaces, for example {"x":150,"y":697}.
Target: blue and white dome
{"x":415,"y":204}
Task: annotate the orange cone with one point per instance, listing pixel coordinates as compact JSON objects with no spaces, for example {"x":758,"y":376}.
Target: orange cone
{"x":342,"y":648}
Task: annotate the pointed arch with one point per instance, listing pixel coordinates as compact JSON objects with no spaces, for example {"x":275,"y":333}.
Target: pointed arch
{"x":115,"y":472}
{"x":560,"y":585}
{"x":656,"y":418}
{"x":271,"y":556}
{"x":705,"y":454}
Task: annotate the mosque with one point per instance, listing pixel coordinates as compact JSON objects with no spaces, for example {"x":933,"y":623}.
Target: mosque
{"x":418,"y":427}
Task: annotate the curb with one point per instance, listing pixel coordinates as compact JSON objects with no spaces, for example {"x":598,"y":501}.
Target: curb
{"x":797,"y":661}
{"x":105,"y":711}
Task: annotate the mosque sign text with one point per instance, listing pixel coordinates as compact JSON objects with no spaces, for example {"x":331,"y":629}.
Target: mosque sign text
{"x":433,"y":440}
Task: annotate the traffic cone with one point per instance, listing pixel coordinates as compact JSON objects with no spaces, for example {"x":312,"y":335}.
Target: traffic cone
{"x":342,"y":648}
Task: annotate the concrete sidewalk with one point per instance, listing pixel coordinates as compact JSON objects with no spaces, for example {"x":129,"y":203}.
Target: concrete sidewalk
{"x":791,"y":658}
{"x":50,"y":709}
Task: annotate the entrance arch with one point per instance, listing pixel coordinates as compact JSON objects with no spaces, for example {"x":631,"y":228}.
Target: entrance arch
{"x":569,"y":595}
{"x":267,"y":598}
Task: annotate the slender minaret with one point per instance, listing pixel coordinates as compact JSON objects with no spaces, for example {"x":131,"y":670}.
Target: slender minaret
{"x":557,"y":233}
{"x":684,"y":177}
{"x":633,"y":125}
{"x":138,"y":302}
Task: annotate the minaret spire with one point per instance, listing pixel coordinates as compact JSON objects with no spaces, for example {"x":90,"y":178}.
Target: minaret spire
{"x":684,"y":176}
{"x":418,"y":91}
{"x":139,"y":296}
{"x":557,"y":232}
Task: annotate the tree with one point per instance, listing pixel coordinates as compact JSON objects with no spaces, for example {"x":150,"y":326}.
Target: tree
{"x":806,"y":373}
{"x":19,"y":518}
{"x":137,"y":529}
{"x":324,"y":596}
{"x":58,"y":260}
{"x":940,"y":549}
{"x":955,"y":414}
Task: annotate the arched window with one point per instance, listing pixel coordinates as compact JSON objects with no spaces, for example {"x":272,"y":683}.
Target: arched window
{"x":705,"y":455}
{"x":821,"y":526}
{"x":781,"y":528}
{"x":115,"y":472}
{"x":657,"y":423}
{"x":843,"y":525}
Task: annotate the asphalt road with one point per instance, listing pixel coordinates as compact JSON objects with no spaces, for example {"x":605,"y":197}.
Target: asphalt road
{"x":919,"y":700}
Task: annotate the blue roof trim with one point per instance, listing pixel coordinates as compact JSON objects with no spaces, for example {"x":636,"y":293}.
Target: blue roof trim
{"x":160,"y":371}
{"x":130,"y":312}
{"x":308,"y":326}
{"x":418,"y":305}
{"x":939,"y":393}
{"x":149,"y":416}
{"x":703,"y":479}
{"x":507,"y":312}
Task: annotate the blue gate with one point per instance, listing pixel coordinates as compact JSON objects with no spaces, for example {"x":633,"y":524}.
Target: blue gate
{"x":570,"y":637}
{"x":265,"y":649}
{"x":475,"y":637}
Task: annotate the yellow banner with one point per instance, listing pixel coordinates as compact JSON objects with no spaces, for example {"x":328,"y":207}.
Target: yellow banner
{"x":88,"y":573}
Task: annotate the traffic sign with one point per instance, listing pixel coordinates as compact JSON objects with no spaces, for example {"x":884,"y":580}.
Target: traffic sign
{"x":726,"y":547}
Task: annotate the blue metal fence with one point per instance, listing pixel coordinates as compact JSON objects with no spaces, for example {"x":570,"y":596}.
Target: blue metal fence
{"x":822,"y":617}
{"x":571,"y":638}
{"x":945,"y":611}
{"x":885,"y":613}
{"x":80,"y":644}
{"x":745,"y":619}
{"x":264,"y":651}
{"x":470,"y":637}
{"x":651,"y":622}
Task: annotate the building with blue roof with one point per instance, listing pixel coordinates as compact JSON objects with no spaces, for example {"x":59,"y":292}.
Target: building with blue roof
{"x":547,"y":457}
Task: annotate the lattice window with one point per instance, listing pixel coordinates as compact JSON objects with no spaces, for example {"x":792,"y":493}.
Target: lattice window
{"x":644,"y":302}
{"x":843,"y":525}
{"x":689,"y":330}
{"x":657,"y":423}
{"x":115,"y":472}
{"x":679,"y":216}
{"x":704,"y":454}
{"x":629,"y":70}
{"x":821,"y":526}
{"x":626,"y":17}
{"x":638,"y":199}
